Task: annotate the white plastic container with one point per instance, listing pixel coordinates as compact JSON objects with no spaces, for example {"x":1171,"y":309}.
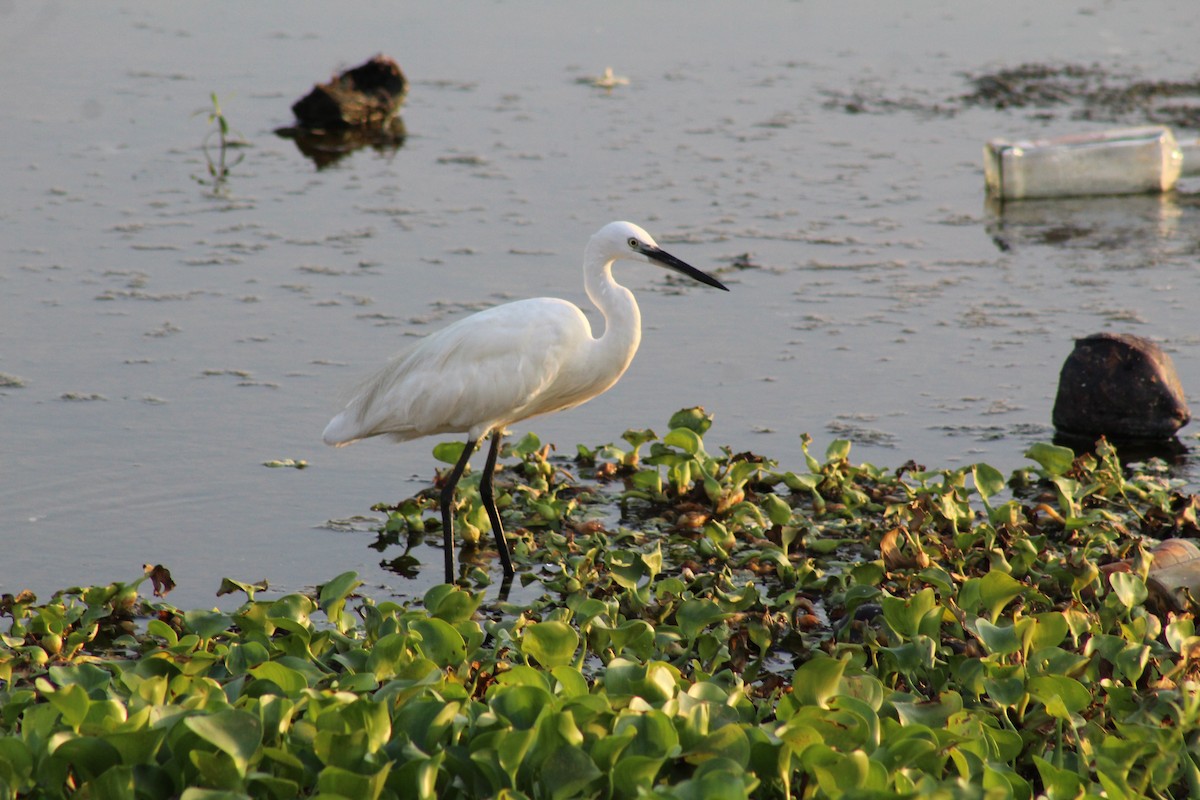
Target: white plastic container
{"x":1125,"y":161}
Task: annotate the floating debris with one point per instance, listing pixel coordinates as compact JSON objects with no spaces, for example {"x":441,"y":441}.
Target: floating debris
{"x":1045,"y":91}
{"x":286,"y":462}
{"x":355,"y":524}
{"x":237,"y":373}
{"x":166,"y":329}
{"x":607,"y":81}
{"x":356,"y":109}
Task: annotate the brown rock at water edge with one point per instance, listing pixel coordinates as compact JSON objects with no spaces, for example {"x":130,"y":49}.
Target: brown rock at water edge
{"x":1120,"y":386}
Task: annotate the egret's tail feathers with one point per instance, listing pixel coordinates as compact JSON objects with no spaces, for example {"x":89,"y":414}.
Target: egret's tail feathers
{"x":341,"y":430}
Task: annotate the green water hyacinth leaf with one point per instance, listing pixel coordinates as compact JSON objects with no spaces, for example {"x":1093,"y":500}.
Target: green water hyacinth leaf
{"x":195,"y":793}
{"x":451,"y":603}
{"x":229,"y":586}
{"x":685,"y":439}
{"x":236,"y":733}
{"x":1129,"y":588}
{"x":933,"y":714}
{"x":910,"y":745}
{"x":422,"y":720}
{"x":655,"y":736}
{"x":634,"y":776}
{"x":694,"y":616}
{"x":655,"y":682}
{"x":911,"y":616}
{"x":16,"y":764}
{"x":73,"y":703}
{"x":448,"y":452}
{"x":1128,"y":658}
{"x":635,"y":635}
{"x":648,"y":480}
{"x":1062,"y":696}
{"x":1053,"y":459}
{"x":713,"y":489}
{"x":1049,"y":630}
{"x":332,"y":596}
{"x":727,"y":742}
{"x":1058,"y":782}
{"x":570,"y":682}
{"x":694,"y":419}
{"x":1005,"y":684}
{"x":817,"y":680}
{"x":778,"y":511}
{"x":838,"y":450}
{"x":989,"y":482}
{"x":636,"y":438}
{"x":526,"y":445}
{"x":294,"y":608}
{"x":339,"y":782}
{"x":337,"y":590}
{"x":88,"y":676}
{"x":552,"y":644}
{"x":521,"y":705}
{"x":991,"y":593}
{"x":803,"y":482}
{"x":1001,"y":640}
{"x":85,"y":757}
{"x":838,"y":773}
{"x":826,"y":546}
{"x":569,"y":772}
{"x":1181,"y":636}
{"x":289,"y":680}
{"x":416,"y":779}
{"x":628,"y":569}
{"x":606,"y":751}
{"x":441,"y":643}
{"x":207,"y":624}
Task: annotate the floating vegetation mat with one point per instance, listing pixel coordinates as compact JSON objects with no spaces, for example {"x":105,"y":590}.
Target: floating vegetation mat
{"x":707,"y":626}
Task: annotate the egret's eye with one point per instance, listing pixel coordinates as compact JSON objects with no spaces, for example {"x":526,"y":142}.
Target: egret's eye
{"x":634,"y":243}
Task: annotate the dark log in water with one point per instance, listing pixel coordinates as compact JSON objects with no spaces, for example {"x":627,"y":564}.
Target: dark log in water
{"x":367,"y":96}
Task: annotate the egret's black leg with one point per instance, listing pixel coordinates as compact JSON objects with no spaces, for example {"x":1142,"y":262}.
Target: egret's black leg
{"x":489,"y":502}
{"x":505,"y":588}
{"x":447,"y":503}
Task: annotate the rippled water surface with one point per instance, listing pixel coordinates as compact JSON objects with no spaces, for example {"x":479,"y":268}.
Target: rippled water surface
{"x":160,"y":342}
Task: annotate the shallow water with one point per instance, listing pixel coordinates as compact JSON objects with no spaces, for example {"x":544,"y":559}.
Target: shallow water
{"x":170,"y":341}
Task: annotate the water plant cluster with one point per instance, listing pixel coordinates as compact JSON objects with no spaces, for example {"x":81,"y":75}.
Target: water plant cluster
{"x":703,"y":625}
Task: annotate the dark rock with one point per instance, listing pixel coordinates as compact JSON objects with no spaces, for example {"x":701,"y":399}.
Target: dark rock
{"x":367,"y":96}
{"x":1120,"y":386}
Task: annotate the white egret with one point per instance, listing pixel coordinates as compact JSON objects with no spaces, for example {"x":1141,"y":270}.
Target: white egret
{"x":506,"y":364}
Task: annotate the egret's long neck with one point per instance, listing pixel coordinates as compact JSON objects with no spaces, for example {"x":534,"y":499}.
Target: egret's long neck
{"x":614,"y":348}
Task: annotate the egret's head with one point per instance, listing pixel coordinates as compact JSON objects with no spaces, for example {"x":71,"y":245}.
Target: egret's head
{"x":626,"y":240}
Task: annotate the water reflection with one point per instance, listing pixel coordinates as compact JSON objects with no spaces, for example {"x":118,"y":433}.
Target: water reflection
{"x":325,"y":148}
{"x":1148,"y":223}
{"x":1129,"y":451}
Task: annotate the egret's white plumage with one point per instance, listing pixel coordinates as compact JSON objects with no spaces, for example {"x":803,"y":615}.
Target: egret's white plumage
{"x":507,"y":364}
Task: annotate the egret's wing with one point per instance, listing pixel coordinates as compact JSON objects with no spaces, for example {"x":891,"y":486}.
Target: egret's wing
{"x":484,"y":370}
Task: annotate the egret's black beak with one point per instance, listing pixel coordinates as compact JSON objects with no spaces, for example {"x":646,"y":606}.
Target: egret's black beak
{"x":669,"y":261}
